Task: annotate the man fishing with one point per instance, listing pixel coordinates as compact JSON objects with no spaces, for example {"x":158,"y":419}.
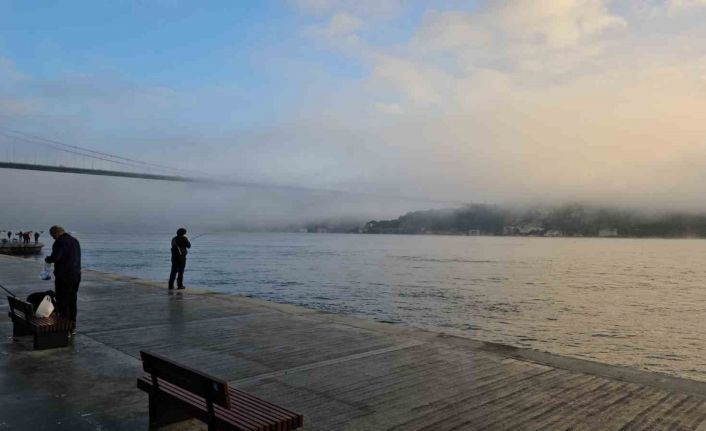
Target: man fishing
{"x":180,"y":246}
{"x":66,"y":257}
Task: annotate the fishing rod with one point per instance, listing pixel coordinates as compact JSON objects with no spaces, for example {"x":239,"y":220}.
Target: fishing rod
{"x":198,"y":236}
{"x":6,"y":290}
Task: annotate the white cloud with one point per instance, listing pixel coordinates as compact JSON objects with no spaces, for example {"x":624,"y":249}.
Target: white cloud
{"x":451,"y":30}
{"x":408,"y":78}
{"x":515,"y":100}
{"x":388,"y":108}
{"x":363,"y":8}
{"x":685,"y":4}
{"x":558,"y":24}
{"x":343,"y":23}
{"x":8,"y":71}
{"x":10,"y":104}
{"x":341,"y":26}
{"x":542,"y":99}
{"x":553,"y":24}
{"x":532,"y":35}
{"x":14,"y":108}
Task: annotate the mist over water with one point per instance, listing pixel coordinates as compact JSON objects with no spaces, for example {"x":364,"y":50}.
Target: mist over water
{"x":633,"y":302}
{"x":38,"y":200}
{"x":520,"y":104}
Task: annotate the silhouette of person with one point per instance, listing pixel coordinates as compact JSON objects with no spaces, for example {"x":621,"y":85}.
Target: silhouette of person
{"x":180,"y":246}
{"x":66,"y":257}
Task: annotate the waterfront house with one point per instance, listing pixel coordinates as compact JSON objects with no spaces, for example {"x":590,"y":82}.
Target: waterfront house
{"x":510,"y":230}
{"x":608,"y":232}
{"x":530,"y":229}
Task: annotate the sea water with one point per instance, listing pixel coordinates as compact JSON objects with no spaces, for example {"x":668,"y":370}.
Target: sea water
{"x":633,"y":302}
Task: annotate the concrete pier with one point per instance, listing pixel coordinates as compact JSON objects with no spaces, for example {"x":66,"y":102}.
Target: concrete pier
{"x":342,"y":373}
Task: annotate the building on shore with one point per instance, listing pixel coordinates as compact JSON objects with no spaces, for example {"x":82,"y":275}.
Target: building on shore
{"x":474,"y":232}
{"x":608,"y":232}
{"x":553,"y":232}
{"x":510,"y":230}
{"x":530,"y":229}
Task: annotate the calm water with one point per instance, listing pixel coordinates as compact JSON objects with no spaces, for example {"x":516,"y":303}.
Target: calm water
{"x":634,"y":302}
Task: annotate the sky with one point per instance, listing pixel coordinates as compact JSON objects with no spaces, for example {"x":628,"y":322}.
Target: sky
{"x":510,"y":101}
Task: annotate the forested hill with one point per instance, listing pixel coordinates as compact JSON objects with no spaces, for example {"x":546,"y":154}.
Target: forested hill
{"x":566,"y":220}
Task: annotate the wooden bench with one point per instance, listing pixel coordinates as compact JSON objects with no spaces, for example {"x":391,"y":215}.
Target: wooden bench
{"x":177,"y":393}
{"x":49,"y":332}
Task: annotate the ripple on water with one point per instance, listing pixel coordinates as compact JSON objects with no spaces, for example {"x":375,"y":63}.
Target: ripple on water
{"x":648,"y":293}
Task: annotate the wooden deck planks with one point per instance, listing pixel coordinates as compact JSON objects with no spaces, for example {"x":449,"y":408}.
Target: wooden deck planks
{"x":341,"y":372}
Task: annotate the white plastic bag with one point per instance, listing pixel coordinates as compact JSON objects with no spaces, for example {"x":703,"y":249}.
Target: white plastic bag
{"x":46,"y":307}
{"x":46,"y":272}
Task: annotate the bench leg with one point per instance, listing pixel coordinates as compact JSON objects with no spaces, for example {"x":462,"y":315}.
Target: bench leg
{"x":153,"y":405}
{"x":19,"y":330}
{"x":163,"y":413}
{"x":51,"y":340}
{"x":153,"y":413}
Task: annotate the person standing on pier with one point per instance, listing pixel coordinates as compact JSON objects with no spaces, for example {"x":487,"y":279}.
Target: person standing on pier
{"x":66,"y":257}
{"x":36,"y":237}
{"x":180,"y":246}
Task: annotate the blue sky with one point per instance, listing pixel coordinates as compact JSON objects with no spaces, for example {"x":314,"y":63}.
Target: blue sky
{"x":160,"y":43}
{"x":243,"y":48}
{"x":465,"y":100}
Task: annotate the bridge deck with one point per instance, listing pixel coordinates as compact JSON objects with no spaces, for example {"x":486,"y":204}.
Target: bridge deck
{"x":342,"y":373}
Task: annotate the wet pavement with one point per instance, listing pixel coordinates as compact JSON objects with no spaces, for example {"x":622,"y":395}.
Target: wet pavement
{"x":340,"y":372}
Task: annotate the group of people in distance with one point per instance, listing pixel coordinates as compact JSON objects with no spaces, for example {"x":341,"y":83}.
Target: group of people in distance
{"x":24,"y":237}
{"x":66,"y":257}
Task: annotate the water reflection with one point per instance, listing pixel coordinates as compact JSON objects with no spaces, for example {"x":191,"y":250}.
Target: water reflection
{"x":630,"y":302}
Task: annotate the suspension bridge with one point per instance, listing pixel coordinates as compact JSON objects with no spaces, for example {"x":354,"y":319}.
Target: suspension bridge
{"x":29,"y":152}
{"x":25,"y":151}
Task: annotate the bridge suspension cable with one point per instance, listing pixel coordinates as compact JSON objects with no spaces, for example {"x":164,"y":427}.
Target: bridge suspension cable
{"x":87,"y":152}
{"x":140,"y":167}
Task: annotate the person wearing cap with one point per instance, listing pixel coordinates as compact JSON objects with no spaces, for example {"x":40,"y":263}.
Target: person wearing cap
{"x":66,"y":257}
{"x":180,"y":246}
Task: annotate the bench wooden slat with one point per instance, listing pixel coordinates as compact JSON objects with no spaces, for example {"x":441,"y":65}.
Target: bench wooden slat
{"x":145,"y":383}
{"x":21,"y":309}
{"x":244,"y":417}
{"x":262,"y":415}
{"x":261,"y":407}
{"x":195,"y":381}
{"x":25,"y":312}
{"x":49,"y":324}
{"x":247,"y":412}
{"x":49,"y":332}
{"x":238,"y":394}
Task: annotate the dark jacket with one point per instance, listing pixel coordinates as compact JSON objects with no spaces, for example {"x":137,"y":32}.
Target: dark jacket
{"x":66,"y":257}
{"x":180,"y":246}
